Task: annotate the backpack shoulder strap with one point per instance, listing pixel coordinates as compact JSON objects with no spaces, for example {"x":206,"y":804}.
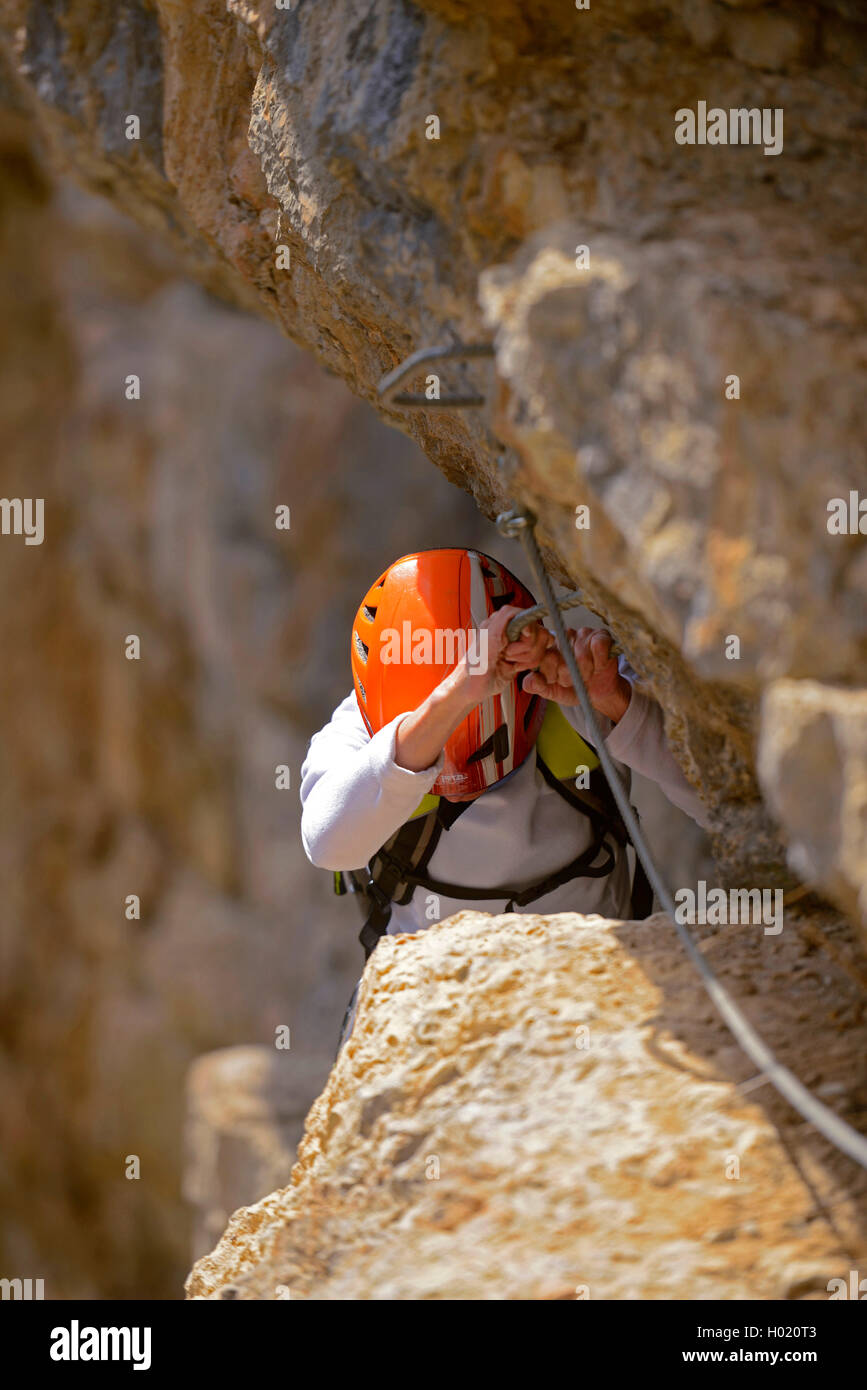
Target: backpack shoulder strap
{"x":385,"y":880}
{"x":399,"y":867}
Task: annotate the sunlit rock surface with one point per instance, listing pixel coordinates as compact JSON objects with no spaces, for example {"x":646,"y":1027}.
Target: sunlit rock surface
{"x":549,"y":1108}
{"x":261,"y":129}
{"x":307,"y":130}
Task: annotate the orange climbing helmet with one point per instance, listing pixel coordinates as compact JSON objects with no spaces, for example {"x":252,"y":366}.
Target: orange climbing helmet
{"x":413,"y":626}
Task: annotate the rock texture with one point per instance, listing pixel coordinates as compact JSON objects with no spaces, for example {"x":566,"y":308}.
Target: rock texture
{"x":246,"y":1108}
{"x":550,"y":1108}
{"x":156,"y":777}
{"x":307,"y":129}
{"x":263,"y":132}
{"x":813,"y":765}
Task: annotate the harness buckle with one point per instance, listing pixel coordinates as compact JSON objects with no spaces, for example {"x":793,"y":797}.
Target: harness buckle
{"x":374,"y":891}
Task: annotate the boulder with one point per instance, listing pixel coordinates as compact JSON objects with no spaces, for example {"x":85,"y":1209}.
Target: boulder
{"x":245,"y":1114}
{"x":550,"y":1108}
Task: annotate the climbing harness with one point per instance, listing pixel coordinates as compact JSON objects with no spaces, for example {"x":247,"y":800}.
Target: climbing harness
{"x":518,"y":524}
{"x":401,"y":865}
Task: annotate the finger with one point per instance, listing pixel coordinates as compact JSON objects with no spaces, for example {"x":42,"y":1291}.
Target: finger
{"x":499,"y":621}
{"x":528,"y":657}
{"x":520,"y":646}
{"x":513,"y":667}
{"x":600,"y":649}
{"x":534,"y":684}
{"x":552,"y":668}
{"x":530,"y":633}
{"x":494,"y":627}
{"x":583,"y":654}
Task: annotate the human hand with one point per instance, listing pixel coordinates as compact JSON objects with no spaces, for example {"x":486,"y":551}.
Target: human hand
{"x":609,"y":692}
{"x":492,"y":662}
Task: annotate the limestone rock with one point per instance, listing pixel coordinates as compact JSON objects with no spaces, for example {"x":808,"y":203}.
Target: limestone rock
{"x":307,"y":130}
{"x":156,"y":777}
{"x":549,"y":1108}
{"x":813,"y":766}
{"x":245,"y":1114}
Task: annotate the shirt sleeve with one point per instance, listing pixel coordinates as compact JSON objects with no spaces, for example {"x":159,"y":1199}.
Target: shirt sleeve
{"x":638,"y":740}
{"x":354,"y":796}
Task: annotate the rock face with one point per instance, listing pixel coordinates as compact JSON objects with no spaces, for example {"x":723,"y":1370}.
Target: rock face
{"x":156,"y":777}
{"x":284,"y":159}
{"x":813,"y":765}
{"x":430,"y":171}
{"x":550,"y":1108}
{"x":246,"y":1108}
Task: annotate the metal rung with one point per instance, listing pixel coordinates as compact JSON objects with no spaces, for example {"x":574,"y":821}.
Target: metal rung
{"x":453,"y":352}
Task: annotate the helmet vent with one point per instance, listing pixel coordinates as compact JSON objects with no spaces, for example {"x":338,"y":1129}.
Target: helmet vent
{"x":369,"y":613}
{"x":363,"y":692}
{"x":360,"y":647}
{"x":530,"y":711}
{"x":497,"y":744}
{"x":499,"y":601}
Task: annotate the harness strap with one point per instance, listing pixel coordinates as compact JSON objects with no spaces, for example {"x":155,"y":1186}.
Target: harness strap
{"x":581,"y":867}
{"x":413,"y":843}
{"x":603,"y":807}
{"x":417,"y":841}
{"x":425,"y":832}
{"x":590,"y":805}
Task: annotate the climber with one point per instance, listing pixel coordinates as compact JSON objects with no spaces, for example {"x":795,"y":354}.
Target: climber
{"x":420,"y":746}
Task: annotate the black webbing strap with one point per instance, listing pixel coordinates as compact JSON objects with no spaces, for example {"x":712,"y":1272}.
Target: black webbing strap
{"x":642,"y":893}
{"x":601,"y":808}
{"x":391,"y":865}
{"x":582,"y":867}
{"x":594,"y":807}
{"x":396,"y":881}
{"x":378,"y":918}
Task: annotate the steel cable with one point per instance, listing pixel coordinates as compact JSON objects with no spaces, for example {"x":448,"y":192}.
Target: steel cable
{"x":837,"y":1131}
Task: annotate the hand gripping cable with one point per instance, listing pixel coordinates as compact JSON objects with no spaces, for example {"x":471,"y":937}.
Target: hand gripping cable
{"x":521,"y":525}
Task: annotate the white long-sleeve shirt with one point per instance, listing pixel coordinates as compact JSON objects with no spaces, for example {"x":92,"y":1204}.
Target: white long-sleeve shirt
{"x":355,"y":796}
